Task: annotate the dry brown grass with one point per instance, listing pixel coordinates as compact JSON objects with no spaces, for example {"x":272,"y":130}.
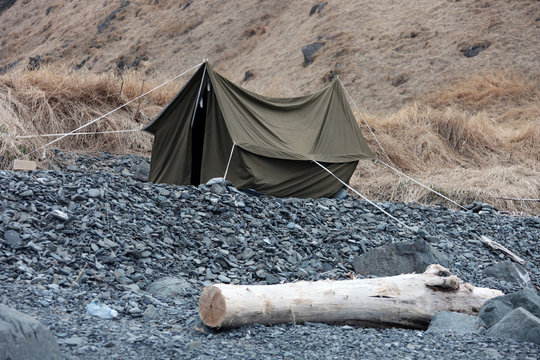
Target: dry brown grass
{"x":460,"y":143}
{"x":54,"y":100}
{"x":490,"y":90}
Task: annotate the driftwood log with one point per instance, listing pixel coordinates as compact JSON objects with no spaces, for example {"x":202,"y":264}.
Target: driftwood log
{"x":408,"y":300}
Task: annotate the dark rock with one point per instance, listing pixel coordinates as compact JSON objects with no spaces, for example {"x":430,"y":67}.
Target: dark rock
{"x":248,"y":75}
{"x":13,"y":239}
{"x":317,"y":8}
{"x":399,"y":258}
{"x":495,"y":309}
{"x":23,"y":337}
{"x":398,"y":80}
{"x":9,"y":66}
{"x":170,"y":287}
{"x":456,"y":323}
{"x":509,"y":271}
{"x":34,"y":63}
{"x":6,"y":4}
{"x":519,"y":325}
{"x":309,"y":51}
{"x":142,"y":171}
{"x":473,"y":50}
{"x":107,"y":22}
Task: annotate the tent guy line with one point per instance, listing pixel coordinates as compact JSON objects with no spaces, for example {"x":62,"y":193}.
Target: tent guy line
{"x":419,"y":183}
{"x":362,"y":196}
{"x":77,"y":133}
{"x":112,"y":111}
{"x":365,"y":121}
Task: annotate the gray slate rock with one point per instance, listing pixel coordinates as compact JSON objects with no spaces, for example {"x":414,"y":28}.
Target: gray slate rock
{"x":509,"y":271}
{"x":23,"y":337}
{"x":13,"y":239}
{"x":456,"y":323}
{"x":399,"y":258}
{"x":495,"y":309}
{"x":519,"y":325}
{"x":142,"y":171}
{"x":152,"y":312}
{"x":169,"y":287}
{"x":309,"y":50}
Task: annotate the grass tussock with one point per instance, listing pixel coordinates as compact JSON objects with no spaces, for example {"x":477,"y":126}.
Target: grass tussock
{"x":490,"y":90}
{"x":55,"y":100}
{"x":419,"y":136}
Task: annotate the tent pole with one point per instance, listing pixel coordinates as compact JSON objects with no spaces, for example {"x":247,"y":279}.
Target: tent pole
{"x":229,"y":162}
{"x":198,"y":97}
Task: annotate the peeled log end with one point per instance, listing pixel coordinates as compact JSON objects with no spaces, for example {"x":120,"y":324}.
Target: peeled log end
{"x":212,"y":307}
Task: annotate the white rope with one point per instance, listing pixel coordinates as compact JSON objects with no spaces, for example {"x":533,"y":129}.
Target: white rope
{"x":363,"y":197}
{"x":425,"y":186}
{"x":229,"y":162}
{"x":112,"y":111}
{"x":79,"y":133}
{"x":365,"y":121}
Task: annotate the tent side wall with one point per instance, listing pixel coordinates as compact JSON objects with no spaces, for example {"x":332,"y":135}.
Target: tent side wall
{"x":284,"y":178}
{"x":171,"y":150}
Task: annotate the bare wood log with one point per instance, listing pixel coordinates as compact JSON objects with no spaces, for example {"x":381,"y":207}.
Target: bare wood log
{"x":408,"y":300}
{"x":495,"y":245}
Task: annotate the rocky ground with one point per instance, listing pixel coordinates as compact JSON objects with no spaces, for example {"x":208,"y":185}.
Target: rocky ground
{"x":89,"y":231}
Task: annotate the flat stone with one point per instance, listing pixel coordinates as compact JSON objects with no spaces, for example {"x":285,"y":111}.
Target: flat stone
{"x":13,"y":239}
{"x":27,"y":193}
{"x":94,"y":193}
{"x":455,"y":323}
{"x":152,"y":312}
{"x":169,"y":287}
{"x":24,"y":338}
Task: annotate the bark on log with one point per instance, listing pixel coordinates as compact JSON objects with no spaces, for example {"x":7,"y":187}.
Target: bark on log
{"x":408,"y":300}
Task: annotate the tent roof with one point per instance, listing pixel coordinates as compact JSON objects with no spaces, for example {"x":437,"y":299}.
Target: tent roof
{"x":319,"y":126}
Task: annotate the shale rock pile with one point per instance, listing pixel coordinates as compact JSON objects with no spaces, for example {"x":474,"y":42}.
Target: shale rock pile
{"x":89,"y":232}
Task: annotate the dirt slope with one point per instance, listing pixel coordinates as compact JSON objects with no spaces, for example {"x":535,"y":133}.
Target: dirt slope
{"x":386,"y":52}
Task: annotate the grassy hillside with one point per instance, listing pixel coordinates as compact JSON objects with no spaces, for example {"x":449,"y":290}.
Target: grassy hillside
{"x":468,"y":126}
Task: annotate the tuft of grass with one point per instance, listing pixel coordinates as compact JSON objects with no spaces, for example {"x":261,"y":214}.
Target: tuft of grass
{"x":489,"y":90}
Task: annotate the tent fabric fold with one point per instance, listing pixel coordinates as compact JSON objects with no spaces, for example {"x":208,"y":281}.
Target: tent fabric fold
{"x":276,"y":138}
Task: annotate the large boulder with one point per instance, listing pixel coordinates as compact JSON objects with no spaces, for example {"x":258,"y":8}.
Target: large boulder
{"x":509,"y":271}
{"x":399,"y":258}
{"x":495,"y":309}
{"x":519,"y":325}
{"x":455,"y":323}
{"x":23,"y":337}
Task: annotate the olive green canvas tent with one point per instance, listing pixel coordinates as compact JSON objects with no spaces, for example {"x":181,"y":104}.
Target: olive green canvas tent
{"x":213,"y":127}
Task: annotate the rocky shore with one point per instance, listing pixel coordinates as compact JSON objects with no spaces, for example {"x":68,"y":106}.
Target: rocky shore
{"x":90,"y":231}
